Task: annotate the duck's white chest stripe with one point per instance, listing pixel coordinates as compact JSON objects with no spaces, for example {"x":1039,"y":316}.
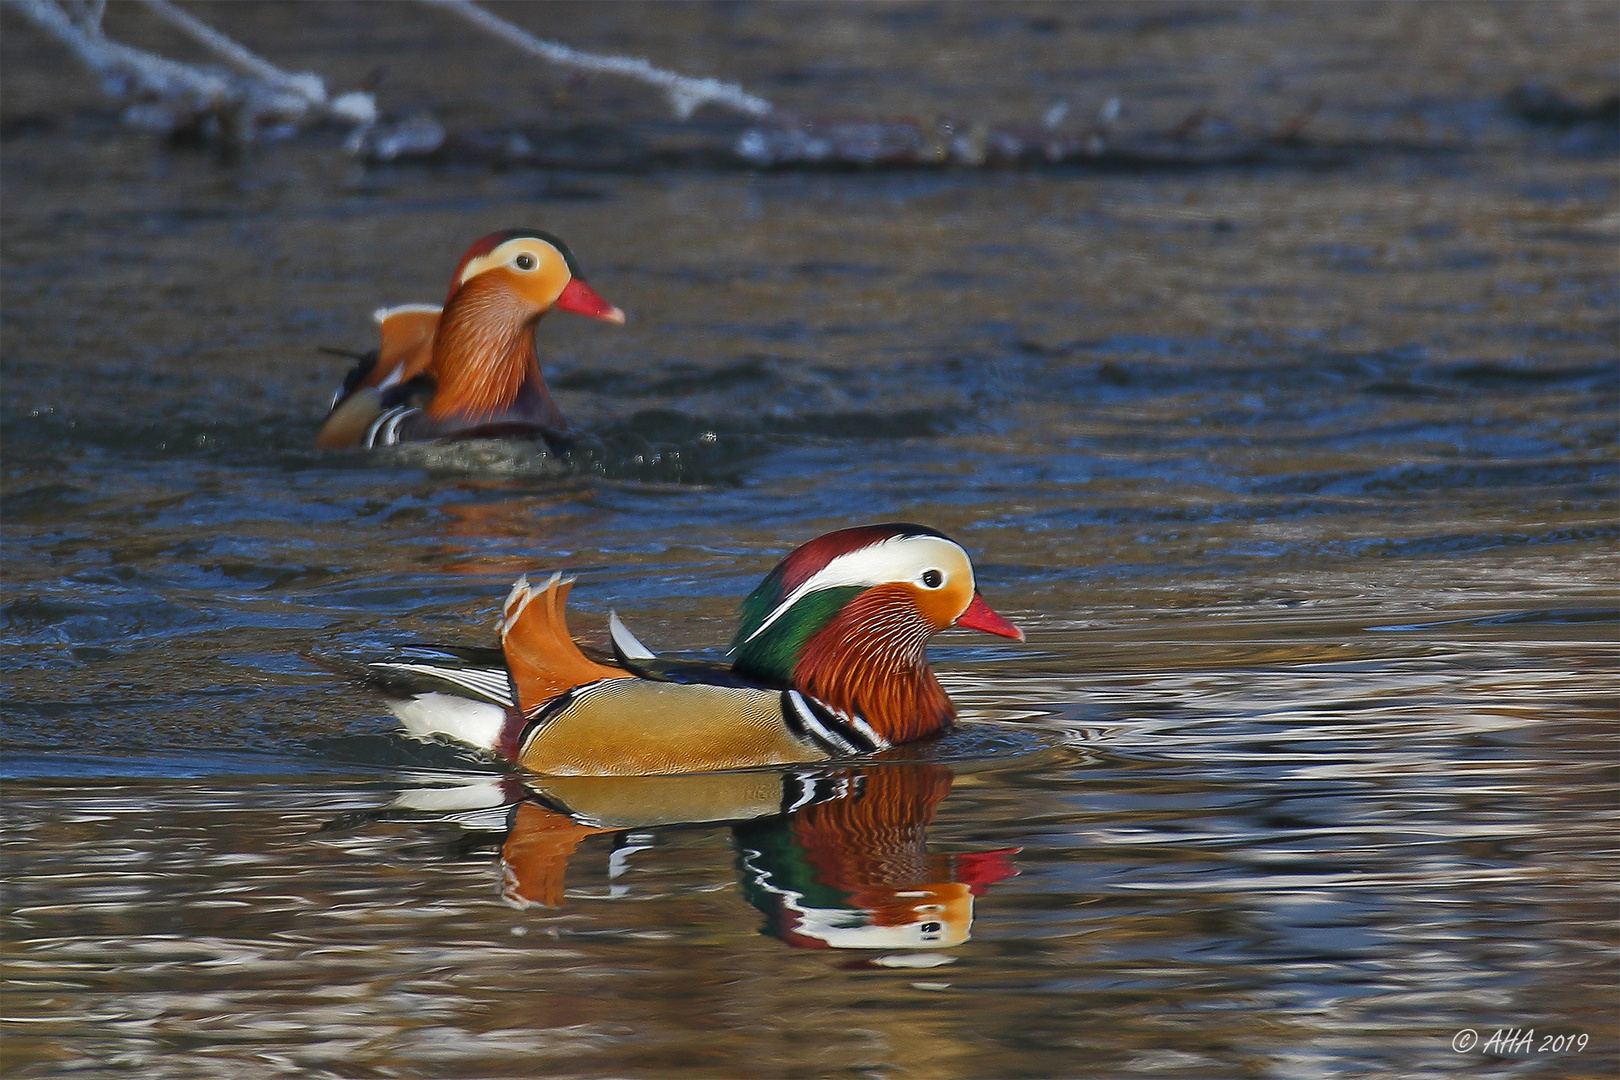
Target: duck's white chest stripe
{"x":834,"y":732}
{"x":384,"y":431}
{"x":852,"y":727}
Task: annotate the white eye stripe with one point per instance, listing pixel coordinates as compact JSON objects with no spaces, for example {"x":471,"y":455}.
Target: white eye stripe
{"x":507,"y":254}
{"x":892,"y":560}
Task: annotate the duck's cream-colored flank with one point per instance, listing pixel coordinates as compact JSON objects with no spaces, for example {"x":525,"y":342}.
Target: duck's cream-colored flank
{"x":633,"y":727}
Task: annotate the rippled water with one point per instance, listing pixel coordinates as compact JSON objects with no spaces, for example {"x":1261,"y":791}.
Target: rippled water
{"x":1303,"y":485}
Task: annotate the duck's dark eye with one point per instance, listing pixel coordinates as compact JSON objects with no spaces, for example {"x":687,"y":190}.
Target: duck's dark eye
{"x":524,"y":261}
{"x":933,"y":579}
{"x":930,"y":928}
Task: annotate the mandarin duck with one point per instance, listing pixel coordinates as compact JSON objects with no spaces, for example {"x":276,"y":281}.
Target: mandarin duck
{"x":468,"y":369}
{"x":829,"y":660}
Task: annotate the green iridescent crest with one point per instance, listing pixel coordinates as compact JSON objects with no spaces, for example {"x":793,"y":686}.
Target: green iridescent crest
{"x":774,"y":652}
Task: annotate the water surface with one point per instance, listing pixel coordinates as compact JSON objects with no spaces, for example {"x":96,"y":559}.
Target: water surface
{"x":1301,"y":483}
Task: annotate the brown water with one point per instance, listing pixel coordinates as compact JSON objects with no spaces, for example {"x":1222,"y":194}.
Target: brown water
{"x":1302,"y":484}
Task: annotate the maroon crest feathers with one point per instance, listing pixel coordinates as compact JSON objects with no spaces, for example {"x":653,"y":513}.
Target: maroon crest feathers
{"x":810,"y":558}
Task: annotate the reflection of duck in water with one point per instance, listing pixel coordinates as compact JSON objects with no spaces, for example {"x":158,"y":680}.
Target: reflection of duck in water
{"x":834,"y":858}
{"x":853,"y":871}
{"x":829,"y":660}
{"x":561,"y":811}
{"x":469,"y":369}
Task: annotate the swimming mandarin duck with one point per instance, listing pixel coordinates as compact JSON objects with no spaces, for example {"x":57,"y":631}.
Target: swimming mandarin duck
{"x":829,"y":660}
{"x":468,"y":369}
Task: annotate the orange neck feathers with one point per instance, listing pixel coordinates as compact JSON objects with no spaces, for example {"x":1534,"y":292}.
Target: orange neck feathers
{"x":483,"y":354}
{"x":870,"y":661}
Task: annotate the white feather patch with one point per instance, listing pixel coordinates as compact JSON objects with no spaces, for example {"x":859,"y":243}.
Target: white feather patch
{"x":476,"y":723}
{"x":383,"y":314}
{"x":623,"y":640}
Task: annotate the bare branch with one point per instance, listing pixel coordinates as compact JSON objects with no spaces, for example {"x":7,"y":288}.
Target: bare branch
{"x":685,"y":94}
{"x":150,"y":73}
{"x":167,"y":95}
{"x":305,"y":84}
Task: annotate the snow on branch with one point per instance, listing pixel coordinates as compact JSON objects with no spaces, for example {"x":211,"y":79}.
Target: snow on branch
{"x":686,"y":95}
{"x":305,"y":84}
{"x":167,"y":95}
{"x":256,"y":97}
{"x":124,"y":69}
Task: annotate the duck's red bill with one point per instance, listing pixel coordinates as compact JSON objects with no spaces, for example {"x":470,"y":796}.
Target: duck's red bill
{"x":581,"y":299}
{"x":978,"y":616}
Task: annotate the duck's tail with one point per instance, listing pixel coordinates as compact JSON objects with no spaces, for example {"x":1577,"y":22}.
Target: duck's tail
{"x":542,"y":658}
{"x":460,"y":694}
{"x":485,"y":697}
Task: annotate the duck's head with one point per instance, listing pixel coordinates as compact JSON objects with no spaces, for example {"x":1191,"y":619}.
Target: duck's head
{"x":847,"y":616}
{"x":532,"y":268}
{"x":483,"y":350}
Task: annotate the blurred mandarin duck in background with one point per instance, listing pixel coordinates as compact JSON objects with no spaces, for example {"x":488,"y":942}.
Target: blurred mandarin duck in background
{"x":829,"y":660}
{"x":468,"y":369}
